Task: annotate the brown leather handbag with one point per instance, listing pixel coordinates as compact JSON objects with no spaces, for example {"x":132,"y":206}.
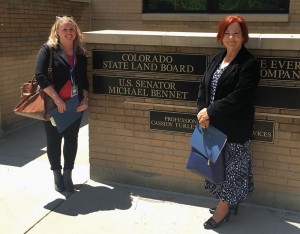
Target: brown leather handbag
{"x":35,"y":103}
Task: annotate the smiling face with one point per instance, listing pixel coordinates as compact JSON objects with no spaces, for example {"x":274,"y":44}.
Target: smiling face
{"x":233,"y":38}
{"x":66,"y":32}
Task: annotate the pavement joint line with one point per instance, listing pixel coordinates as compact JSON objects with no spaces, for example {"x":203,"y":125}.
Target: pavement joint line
{"x":43,"y":217}
{"x":54,"y":208}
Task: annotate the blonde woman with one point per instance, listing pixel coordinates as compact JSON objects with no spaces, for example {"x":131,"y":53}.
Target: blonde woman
{"x":69,"y":79}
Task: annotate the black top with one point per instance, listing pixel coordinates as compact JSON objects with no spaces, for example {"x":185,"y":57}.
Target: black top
{"x":232,"y":111}
{"x":60,"y":69}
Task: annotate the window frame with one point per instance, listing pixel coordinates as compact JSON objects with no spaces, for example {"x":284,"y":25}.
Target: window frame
{"x":213,"y":11}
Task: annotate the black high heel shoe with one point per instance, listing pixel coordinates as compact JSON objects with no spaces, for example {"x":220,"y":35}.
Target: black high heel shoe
{"x":233,"y":209}
{"x":212,"y":224}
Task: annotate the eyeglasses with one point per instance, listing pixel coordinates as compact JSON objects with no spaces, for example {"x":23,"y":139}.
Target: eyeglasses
{"x":62,"y":16}
{"x":235,"y":34}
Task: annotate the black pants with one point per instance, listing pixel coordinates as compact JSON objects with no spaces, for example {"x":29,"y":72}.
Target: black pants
{"x":54,"y":141}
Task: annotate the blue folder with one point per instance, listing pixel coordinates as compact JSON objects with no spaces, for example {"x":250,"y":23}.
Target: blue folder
{"x":64,"y":120}
{"x":208,"y":141}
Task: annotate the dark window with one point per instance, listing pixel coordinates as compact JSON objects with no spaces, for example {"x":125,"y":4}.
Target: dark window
{"x":216,"y":6}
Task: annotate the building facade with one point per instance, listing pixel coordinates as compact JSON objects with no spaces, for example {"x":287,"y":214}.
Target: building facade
{"x":144,"y":70}
{"x":139,"y":131}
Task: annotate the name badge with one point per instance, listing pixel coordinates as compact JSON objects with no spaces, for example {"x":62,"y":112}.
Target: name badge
{"x":74,"y":91}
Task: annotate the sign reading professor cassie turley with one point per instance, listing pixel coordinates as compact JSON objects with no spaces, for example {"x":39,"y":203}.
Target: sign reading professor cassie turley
{"x":263,"y":131}
{"x":194,"y":64}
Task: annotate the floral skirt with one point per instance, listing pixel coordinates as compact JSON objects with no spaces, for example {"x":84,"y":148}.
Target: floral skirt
{"x":238,"y":183}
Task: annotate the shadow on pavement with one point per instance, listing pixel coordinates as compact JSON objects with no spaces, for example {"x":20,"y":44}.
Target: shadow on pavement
{"x":25,"y":144}
{"x":166,"y":196}
{"x":89,"y":199}
{"x":162,"y":208}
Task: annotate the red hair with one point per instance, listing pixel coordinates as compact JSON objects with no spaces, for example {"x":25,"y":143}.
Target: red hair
{"x":229,"y":20}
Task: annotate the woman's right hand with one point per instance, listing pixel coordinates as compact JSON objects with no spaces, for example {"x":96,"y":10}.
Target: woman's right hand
{"x":61,"y":105}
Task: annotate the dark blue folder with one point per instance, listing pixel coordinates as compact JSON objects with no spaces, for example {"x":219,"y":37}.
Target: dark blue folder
{"x":208,"y":141}
{"x":64,"y":120}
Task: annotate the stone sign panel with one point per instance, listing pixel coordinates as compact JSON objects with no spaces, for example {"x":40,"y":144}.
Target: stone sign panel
{"x":185,"y":123}
{"x":194,"y":64}
{"x":149,"y":88}
{"x":263,"y":131}
{"x":271,"y":68}
{"x":278,"y":97}
{"x":172,"y":121}
{"x":279,"y":68}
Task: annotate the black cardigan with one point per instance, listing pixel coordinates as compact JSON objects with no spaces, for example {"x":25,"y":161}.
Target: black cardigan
{"x":61,"y":69}
{"x":232,"y":111}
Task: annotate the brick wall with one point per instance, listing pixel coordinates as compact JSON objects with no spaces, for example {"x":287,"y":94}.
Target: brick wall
{"x":121,"y":141}
{"x":108,"y":15}
{"x":277,"y":165}
{"x":124,"y":149}
{"x":24,"y":26}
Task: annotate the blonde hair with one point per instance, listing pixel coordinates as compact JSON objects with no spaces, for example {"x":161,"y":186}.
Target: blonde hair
{"x":53,"y":39}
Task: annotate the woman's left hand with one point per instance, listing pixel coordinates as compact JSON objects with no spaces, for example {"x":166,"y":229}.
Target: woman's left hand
{"x":83,"y":105}
{"x":203,"y":118}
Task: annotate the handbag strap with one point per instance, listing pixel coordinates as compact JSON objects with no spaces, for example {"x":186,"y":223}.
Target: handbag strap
{"x":50,"y":75}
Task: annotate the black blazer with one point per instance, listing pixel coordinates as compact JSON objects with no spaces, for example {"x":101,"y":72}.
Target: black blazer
{"x":61,"y":69}
{"x":232,"y":111}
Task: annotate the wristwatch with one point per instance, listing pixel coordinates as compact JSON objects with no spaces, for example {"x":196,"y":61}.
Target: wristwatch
{"x":86,"y":97}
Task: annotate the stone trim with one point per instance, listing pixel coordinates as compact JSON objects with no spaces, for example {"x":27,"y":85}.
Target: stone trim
{"x":189,"y":39}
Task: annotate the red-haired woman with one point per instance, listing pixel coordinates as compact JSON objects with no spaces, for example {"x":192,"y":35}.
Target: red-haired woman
{"x":226,"y":101}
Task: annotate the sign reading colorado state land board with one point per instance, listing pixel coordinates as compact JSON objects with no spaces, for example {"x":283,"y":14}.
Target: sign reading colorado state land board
{"x":278,"y":68}
{"x":148,"y":88}
{"x":194,"y":64}
{"x":186,"y":122}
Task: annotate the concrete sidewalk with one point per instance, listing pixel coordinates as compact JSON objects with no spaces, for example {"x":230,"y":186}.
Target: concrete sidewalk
{"x":29,"y":203}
